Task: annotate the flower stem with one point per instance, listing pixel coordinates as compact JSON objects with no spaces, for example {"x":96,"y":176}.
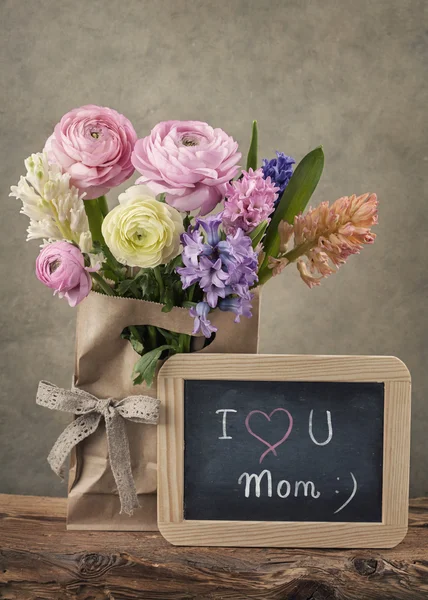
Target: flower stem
{"x":151,"y":330}
{"x":102,"y":203}
{"x":191,"y":292}
{"x":95,"y":219}
{"x":103,"y":283}
{"x":160,"y":282}
{"x":295,"y":253}
{"x":266,"y":273}
{"x":264,"y":276}
{"x":186,"y":339}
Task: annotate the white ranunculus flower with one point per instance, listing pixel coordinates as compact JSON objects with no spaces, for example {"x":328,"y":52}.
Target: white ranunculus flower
{"x":141,"y":231}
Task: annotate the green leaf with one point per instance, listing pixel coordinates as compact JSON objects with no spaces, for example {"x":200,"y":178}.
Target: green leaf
{"x":150,"y":289}
{"x":257,"y":234}
{"x":294,"y":200}
{"x":109,"y":258}
{"x":110,"y":274}
{"x":110,"y":268}
{"x":137,"y":345}
{"x":252,"y":152}
{"x":160,"y":197}
{"x":127,"y":285}
{"x":187,"y":221}
{"x":173,"y":264}
{"x":132,"y":335}
{"x":171,"y":337}
{"x":168,"y":299}
{"x":145,"y":367}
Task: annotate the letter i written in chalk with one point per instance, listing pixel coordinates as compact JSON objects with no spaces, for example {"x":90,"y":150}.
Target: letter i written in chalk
{"x":224,"y":435}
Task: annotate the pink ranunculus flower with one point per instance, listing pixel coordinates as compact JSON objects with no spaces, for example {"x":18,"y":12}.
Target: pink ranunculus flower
{"x":94,"y":145}
{"x":61,"y":267}
{"x":189,"y":161}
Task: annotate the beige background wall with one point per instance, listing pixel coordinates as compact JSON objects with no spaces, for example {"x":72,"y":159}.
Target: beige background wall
{"x":349,"y":74}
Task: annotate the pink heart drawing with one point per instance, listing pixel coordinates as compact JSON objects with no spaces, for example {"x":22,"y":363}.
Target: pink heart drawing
{"x":271,"y":447}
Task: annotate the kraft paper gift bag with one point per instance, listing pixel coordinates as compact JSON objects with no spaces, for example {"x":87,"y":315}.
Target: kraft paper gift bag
{"x":104,"y":363}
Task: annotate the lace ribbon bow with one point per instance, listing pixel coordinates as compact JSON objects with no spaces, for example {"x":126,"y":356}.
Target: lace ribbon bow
{"x":89,"y":411}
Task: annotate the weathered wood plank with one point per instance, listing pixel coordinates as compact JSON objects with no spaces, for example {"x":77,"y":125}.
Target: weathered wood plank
{"x":40,"y":560}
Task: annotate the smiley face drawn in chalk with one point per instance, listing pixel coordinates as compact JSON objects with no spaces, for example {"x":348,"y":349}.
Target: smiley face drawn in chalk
{"x":354,"y":491}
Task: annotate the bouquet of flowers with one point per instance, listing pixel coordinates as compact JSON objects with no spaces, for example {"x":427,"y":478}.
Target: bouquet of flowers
{"x":195,"y":231}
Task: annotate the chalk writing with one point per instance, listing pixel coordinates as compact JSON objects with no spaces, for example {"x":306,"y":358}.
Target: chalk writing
{"x":354,"y":491}
{"x":224,"y":436}
{"x":283,"y":451}
{"x":266,"y":477}
{"x":271,"y":447}
{"x":330,"y":429}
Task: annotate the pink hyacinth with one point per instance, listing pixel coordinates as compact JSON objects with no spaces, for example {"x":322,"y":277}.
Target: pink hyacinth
{"x":189,"y":161}
{"x":327,"y":235}
{"x":94,"y":145}
{"x":249,"y":201}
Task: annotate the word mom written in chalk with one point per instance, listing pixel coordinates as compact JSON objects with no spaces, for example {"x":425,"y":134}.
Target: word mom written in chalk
{"x":283,"y":489}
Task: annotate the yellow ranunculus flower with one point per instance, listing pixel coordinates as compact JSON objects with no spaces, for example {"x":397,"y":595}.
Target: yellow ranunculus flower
{"x":141,"y":231}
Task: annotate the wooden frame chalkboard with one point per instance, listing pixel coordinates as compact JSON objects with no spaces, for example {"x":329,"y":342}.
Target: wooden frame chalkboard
{"x":389,"y":371}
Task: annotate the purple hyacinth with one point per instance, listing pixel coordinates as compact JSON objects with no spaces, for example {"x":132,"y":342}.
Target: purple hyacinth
{"x":280,"y":170}
{"x":223,"y":265}
{"x":211,"y":226}
{"x":202,"y":323}
{"x":240,"y":306}
{"x":194,"y":242}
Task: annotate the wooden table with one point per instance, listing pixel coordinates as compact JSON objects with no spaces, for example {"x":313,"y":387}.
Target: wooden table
{"x":40,"y":560}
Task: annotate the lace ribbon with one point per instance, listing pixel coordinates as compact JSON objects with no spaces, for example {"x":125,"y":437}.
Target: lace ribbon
{"x":89,"y":411}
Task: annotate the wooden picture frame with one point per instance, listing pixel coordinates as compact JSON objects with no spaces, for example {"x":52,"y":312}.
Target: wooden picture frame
{"x":396,"y":450}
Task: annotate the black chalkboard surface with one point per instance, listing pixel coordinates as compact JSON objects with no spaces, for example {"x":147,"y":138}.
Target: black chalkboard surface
{"x":283,"y":450}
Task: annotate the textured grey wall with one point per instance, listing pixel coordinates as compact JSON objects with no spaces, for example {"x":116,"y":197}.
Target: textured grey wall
{"x":350,"y":75}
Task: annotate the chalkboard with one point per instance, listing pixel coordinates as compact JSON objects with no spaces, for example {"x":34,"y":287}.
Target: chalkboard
{"x":322,"y":440}
{"x":283,"y":450}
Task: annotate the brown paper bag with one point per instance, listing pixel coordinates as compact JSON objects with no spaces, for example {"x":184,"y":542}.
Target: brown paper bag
{"x":104,"y":363}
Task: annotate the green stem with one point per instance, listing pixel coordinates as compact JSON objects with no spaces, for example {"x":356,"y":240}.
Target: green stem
{"x":151,"y":330}
{"x":102,"y":203}
{"x":160,"y":282}
{"x":295,"y":253}
{"x":187,"y":340}
{"x":103,"y":283}
{"x":266,"y":273}
{"x":264,"y":277}
{"x":191,"y":292}
{"x":95,"y":218}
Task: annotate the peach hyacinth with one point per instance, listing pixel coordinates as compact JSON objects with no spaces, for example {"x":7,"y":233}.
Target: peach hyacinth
{"x":326,"y":236}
